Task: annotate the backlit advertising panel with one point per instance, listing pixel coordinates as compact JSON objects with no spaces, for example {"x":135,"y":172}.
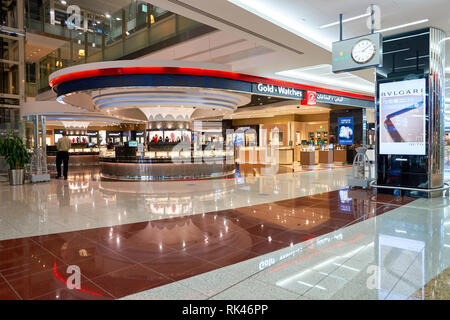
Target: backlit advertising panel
{"x":345,"y":127}
{"x":402,"y":117}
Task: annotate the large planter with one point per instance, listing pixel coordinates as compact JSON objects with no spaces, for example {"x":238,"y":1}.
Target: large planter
{"x":16,"y":176}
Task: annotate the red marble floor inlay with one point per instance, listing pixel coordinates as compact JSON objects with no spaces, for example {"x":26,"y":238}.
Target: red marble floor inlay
{"x":125,"y":259}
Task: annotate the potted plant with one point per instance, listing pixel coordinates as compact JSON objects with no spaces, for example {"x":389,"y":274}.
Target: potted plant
{"x":13,"y":150}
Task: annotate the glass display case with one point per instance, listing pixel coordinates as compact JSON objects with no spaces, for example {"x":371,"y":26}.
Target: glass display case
{"x":185,"y":154}
{"x":150,"y":154}
{"x":105,"y":153}
{"x":198,"y":154}
{"x":162,"y":154}
{"x":84,"y":150}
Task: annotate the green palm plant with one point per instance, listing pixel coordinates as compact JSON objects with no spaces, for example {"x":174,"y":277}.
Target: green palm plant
{"x":13,"y":150}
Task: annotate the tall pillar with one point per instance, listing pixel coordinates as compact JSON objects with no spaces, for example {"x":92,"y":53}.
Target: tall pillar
{"x":410,"y":112}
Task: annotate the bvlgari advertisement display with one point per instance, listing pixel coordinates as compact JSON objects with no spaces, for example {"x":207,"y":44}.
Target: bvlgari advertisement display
{"x":402,"y":117}
{"x":345,"y":127}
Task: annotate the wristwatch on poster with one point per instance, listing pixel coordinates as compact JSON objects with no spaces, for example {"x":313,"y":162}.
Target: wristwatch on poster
{"x":391,"y":129}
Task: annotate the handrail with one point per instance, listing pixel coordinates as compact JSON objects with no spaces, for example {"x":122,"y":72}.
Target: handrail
{"x":446,"y":187}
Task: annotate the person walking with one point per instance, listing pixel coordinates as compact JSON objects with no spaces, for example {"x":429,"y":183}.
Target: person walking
{"x":63,"y":145}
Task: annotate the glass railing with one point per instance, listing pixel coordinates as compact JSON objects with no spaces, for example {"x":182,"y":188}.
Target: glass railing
{"x":111,"y":37}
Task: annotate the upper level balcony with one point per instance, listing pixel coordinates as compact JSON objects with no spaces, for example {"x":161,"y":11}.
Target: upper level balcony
{"x":98,"y":34}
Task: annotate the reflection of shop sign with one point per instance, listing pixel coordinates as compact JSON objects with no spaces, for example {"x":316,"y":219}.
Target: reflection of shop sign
{"x":270,"y":89}
{"x":270,"y":261}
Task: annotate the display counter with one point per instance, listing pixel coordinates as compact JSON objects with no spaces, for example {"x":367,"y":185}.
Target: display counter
{"x":286,"y":155}
{"x":251,"y":155}
{"x":326,"y":158}
{"x":161,"y":163}
{"x":308,"y":159}
{"x":340,"y":156}
{"x":263,"y":155}
{"x":79,"y":155}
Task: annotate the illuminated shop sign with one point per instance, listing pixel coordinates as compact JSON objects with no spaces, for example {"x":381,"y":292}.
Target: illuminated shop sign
{"x":92,"y":133}
{"x":322,"y":97}
{"x":311,"y":98}
{"x":270,"y":89}
{"x":114,"y":134}
{"x":139,"y":133}
{"x":344,"y":101}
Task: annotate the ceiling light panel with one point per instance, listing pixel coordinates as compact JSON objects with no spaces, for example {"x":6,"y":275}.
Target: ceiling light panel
{"x":322,"y":75}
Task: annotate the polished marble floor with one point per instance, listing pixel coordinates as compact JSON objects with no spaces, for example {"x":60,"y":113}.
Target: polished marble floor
{"x":291,"y":235}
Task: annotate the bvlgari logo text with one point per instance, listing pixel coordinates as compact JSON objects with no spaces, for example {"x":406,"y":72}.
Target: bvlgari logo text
{"x":403,"y":92}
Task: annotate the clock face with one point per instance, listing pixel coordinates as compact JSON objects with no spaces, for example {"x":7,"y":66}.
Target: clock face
{"x":363,"y":51}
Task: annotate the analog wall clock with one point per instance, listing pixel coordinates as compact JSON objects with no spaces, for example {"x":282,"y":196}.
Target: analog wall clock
{"x":363,"y":51}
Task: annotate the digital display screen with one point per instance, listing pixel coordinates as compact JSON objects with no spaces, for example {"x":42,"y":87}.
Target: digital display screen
{"x":132,"y":143}
{"x":172,"y":136}
{"x":345,"y":130}
{"x":402,"y":117}
{"x":156,"y":136}
{"x":238,"y":139}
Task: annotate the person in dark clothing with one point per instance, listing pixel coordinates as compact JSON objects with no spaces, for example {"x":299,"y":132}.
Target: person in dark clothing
{"x":63,"y":146}
{"x":110,"y":145}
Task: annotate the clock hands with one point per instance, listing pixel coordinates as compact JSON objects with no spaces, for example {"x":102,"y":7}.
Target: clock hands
{"x":367,"y":47}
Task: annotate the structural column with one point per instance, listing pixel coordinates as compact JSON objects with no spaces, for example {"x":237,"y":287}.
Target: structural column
{"x":410,"y":112}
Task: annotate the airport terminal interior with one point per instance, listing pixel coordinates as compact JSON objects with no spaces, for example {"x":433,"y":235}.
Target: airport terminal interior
{"x":224,"y":150}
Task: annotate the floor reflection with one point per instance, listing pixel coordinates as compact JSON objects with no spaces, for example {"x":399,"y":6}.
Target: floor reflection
{"x":129,"y":258}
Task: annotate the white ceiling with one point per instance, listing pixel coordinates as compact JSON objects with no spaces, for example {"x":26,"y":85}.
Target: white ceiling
{"x":292,"y":28}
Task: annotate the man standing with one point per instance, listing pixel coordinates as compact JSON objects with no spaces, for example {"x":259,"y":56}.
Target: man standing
{"x":63,"y":147}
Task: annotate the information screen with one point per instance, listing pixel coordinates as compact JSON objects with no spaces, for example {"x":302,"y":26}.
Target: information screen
{"x":402,"y":117}
{"x":345,"y":127}
{"x":132,"y":144}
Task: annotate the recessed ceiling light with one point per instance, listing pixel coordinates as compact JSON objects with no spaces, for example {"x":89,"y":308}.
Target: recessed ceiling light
{"x":403,"y":25}
{"x":345,"y":20}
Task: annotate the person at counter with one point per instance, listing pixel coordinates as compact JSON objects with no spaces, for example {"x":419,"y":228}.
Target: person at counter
{"x":63,"y":146}
{"x":110,"y":145}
